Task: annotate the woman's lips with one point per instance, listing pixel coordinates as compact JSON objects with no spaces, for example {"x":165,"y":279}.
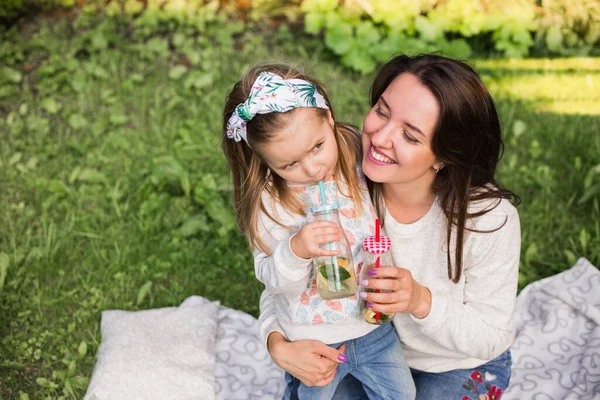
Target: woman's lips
{"x":379,"y":159}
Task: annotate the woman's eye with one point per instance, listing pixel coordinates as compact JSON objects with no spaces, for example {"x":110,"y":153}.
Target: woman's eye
{"x":409,"y":138}
{"x":380,"y":112}
{"x":317,"y":147}
{"x":290,"y":165}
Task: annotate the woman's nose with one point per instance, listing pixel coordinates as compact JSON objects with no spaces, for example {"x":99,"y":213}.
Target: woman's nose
{"x":383,"y":136}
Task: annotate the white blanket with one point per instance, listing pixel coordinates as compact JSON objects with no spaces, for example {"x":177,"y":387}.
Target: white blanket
{"x":556,"y":354}
{"x":168,"y":353}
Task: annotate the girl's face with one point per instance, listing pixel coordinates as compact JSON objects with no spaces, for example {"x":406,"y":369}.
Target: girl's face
{"x":397,"y":134}
{"x":305,"y":151}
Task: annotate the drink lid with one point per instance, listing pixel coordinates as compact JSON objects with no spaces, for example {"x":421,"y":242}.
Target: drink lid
{"x":373,"y":246}
{"x":325,"y":207}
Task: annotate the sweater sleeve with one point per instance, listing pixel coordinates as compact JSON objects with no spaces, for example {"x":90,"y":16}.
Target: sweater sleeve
{"x":267,"y":320}
{"x":482,"y":324}
{"x":281,"y":271}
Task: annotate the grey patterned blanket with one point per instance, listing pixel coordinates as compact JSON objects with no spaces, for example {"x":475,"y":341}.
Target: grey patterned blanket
{"x":556,"y":354}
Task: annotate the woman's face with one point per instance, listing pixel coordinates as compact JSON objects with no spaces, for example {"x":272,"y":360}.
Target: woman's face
{"x":397,"y":134}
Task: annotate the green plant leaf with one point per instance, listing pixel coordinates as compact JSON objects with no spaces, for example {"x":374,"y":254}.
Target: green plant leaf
{"x":4,"y":262}
{"x":344,"y":274}
{"x":339,"y":38}
{"x":77,"y":121}
{"x":98,"y":40}
{"x":91,"y":175}
{"x":313,"y":23}
{"x":457,"y":48}
{"x":43,"y":382}
{"x":80,"y":382}
{"x":8,"y":74}
{"x":554,"y":39}
{"x":589,"y":194}
{"x":319,"y":6}
{"x":427,"y":30}
{"x":367,"y":33}
{"x":177,"y":72}
{"x":194,"y":225}
{"x":198,"y":80}
{"x":118,"y":119}
{"x":519,"y":127}
{"x":143,"y":292}
{"x":359,"y":59}
{"x":159,"y":47}
{"x":51,"y":105}
{"x":168,"y":170}
{"x":82,"y":349}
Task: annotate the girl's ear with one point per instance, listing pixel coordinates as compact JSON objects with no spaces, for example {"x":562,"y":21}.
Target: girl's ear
{"x":330,"y":118}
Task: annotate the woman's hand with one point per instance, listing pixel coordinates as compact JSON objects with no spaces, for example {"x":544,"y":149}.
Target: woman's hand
{"x":406,"y":296}
{"x":311,"y":361}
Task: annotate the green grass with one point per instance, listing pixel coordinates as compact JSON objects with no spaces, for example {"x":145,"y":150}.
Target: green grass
{"x":114,"y":193}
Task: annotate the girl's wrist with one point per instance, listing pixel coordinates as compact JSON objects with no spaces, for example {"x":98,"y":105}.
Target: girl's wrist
{"x":295,"y":247}
{"x":274,"y":340}
{"x":424,"y":303}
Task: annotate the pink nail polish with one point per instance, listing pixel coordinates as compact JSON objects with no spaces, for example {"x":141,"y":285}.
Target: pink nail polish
{"x":342,"y":358}
{"x":372,"y":272}
{"x":369,"y":304}
{"x":363,"y":295}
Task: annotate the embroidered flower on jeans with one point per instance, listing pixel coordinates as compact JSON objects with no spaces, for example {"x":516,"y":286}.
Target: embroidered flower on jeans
{"x":477,"y":384}
{"x":477,"y":377}
{"x":494,"y":393}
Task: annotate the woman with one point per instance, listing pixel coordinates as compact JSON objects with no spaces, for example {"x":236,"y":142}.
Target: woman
{"x":431,"y":144}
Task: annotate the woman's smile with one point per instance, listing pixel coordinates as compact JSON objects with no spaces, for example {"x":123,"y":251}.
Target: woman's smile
{"x":378,"y":158}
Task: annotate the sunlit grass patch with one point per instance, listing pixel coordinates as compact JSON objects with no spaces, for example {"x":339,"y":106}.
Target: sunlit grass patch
{"x":579,"y":64}
{"x":562,"y":86}
{"x":547,"y":86}
{"x":576,"y":107}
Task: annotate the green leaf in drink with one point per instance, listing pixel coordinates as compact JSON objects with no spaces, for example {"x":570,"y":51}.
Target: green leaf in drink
{"x":344,"y":274}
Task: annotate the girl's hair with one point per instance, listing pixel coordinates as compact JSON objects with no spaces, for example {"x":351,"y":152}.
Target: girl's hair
{"x":251,"y":174}
{"x":467,"y":138}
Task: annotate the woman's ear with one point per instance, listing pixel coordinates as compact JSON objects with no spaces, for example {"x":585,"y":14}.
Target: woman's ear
{"x":438,"y":166}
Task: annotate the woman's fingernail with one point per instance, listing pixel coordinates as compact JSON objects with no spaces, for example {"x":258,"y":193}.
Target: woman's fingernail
{"x":364,"y":283}
{"x":372,"y":272}
{"x":369,"y":304}
{"x":342,"y":358}
{"x":363,"y":295}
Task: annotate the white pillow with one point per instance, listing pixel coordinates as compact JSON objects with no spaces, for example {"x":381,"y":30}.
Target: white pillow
{"x":162,"y":354}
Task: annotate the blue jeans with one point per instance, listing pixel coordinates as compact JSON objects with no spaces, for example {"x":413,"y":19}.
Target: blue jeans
{"x":375,"y":360}
{"x":489,"y":379}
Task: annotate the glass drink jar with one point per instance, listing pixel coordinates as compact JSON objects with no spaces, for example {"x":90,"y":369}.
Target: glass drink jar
{"x":334,"y":274}
{"x":377,"y":254}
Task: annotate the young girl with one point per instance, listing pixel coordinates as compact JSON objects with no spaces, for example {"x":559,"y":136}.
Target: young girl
{"x":280,"y":138}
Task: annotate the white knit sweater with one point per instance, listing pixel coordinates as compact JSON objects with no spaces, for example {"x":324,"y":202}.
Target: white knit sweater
{"x":470,"y":322}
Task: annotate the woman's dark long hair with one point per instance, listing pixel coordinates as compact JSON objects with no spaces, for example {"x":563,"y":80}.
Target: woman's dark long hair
{"x":467,"y":138}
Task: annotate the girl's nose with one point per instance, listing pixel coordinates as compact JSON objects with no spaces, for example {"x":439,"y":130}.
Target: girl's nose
{"x":313,"y":170}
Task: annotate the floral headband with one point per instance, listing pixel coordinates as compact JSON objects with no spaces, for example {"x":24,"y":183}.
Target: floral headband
{"x":272,"y":93}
